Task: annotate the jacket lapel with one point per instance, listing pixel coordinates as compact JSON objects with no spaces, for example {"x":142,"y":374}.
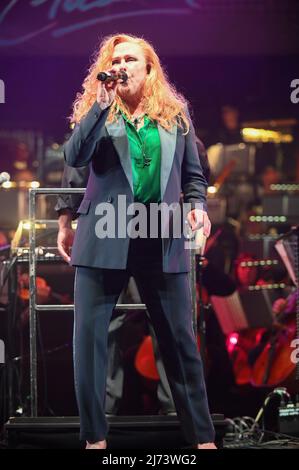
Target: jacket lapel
{"x":117,"y":130}
{"x":168,"y":144}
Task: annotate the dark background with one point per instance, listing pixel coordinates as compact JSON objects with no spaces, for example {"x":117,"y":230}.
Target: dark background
{"x":216,"y":52}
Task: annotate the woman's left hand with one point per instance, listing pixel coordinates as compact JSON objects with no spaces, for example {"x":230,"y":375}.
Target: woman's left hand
{"x":198,"y":218}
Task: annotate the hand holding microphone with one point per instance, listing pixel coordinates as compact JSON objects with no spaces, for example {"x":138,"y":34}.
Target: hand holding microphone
{"x":200,"y":227}
{"x":108,"y":82}
{"x":112,"y":76}
{"x":198,"y":218}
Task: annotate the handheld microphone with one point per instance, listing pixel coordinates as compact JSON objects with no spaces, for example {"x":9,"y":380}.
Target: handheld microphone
{"x":200,"y":241}
{"x":4,"y":176}
{"x":196,"y":240}
{"x":110,"y":77}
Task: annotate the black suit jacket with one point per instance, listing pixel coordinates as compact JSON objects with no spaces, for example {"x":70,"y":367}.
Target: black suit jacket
{"x":105,"y":148}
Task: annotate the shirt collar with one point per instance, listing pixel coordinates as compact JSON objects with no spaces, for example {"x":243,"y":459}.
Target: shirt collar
{"x":147,"y":120}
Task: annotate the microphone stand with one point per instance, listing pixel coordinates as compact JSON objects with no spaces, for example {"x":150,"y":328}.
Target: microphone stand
{"x":201,"y":320}
{"x":197,"y":262}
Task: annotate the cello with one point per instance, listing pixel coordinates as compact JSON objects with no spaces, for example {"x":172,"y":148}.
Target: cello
{"x":274,"y":366}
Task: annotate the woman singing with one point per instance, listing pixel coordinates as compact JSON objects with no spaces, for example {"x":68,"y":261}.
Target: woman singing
{"x":137,"y":137}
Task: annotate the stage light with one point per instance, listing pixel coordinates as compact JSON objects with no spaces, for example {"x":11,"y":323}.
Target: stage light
{"x":268,"y":286}
{"x":284,"y":187}
{"x":26,"y":225}
{"x":8,"y":184}
{"x":268,"y":218}
{"x":34,"y":184}
{"x":232,"y":341}
{"x":212,"y":189}
{"x":251,"y":134}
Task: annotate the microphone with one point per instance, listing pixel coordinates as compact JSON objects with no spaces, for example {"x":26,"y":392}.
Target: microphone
{"x":4,"y":176}
{"x":110,"y":77}
{"x":200,"y":241}
{"x":196,"y":240}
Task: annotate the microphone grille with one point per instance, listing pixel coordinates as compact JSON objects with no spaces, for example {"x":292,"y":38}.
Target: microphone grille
{"x":101,"y":76}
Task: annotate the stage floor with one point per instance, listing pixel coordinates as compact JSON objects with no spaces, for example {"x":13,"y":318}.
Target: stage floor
{"x":125,"y":432}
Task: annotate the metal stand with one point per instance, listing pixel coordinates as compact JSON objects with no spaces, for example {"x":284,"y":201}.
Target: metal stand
{"x":34,"y":308}
{"x":201,"y":312}
{"x":198,"y":307}
{"x":12,"y":289}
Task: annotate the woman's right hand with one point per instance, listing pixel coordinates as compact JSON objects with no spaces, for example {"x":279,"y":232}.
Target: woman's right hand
{"x":106,"y":92}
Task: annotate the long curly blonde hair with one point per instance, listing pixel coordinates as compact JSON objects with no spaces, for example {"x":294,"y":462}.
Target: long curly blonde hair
{"x":162,"y":102}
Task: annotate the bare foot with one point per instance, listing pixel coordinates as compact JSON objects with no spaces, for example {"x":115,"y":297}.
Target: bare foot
{"x":207,"y":445}
{"x":96,"y":445}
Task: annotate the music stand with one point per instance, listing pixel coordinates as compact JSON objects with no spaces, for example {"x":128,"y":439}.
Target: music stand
{"x":287,"y":248}
{"x":242,"y":155}
{"x":242,"y":310}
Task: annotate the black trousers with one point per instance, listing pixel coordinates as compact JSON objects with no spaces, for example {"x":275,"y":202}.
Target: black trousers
{"x":115,"y":371}
{"x":168,"y":300}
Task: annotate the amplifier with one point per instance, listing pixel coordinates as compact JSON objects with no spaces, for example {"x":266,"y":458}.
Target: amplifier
{"x":289,"y":419}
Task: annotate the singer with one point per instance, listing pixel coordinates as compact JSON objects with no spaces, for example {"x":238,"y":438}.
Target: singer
{"x":138,"y":140}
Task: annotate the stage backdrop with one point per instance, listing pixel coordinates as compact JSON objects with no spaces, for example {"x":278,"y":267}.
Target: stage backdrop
{"x":177,"y":27}
{"x":215,"y":51}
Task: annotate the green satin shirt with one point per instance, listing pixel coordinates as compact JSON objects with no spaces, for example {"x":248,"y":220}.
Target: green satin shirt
{"x":145,"y":150}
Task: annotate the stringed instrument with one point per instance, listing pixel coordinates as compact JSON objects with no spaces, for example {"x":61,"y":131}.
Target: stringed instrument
{"x":274,"y":366}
